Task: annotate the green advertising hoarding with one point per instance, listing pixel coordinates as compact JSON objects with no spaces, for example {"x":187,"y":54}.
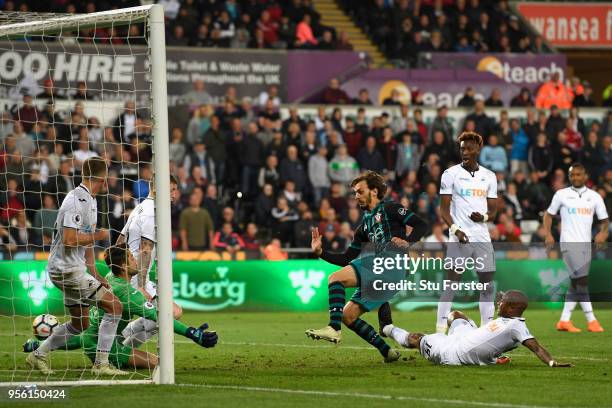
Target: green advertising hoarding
{"x":299,"y":285}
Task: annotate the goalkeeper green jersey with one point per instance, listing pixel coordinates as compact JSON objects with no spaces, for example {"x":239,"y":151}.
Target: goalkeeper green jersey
{"x":134,"y":305}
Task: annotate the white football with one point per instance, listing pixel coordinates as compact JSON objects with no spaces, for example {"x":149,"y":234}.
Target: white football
{"x":43,"y":325}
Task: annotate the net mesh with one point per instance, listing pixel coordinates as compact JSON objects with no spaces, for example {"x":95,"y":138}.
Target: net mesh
{"x":71,"y":87}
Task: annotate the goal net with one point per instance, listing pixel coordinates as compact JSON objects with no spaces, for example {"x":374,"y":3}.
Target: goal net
{"x":74,"y":87}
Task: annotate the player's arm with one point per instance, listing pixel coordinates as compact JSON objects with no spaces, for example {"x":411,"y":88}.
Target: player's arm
{"x":73,"y":238}
{"x":543,"y":354}
{"x":120,"y":240}
{"x":340,"y":259}
{"x":145,"y":253}
{"x":407,"y":218}
{"x":445,"y":203}
{"x":491,"y":212}
{"x":552,"y":210}
{"x":604,"y":230}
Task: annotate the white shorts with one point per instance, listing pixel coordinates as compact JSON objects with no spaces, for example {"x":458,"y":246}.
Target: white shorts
{"x":440,"y":348}
{"x":79,"y":287}
{"x":578,"y":261}
{"x":482,"y":256}
{"x":150,"y":286}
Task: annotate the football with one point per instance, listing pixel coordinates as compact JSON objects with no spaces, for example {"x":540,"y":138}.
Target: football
{"x":43,"y":325}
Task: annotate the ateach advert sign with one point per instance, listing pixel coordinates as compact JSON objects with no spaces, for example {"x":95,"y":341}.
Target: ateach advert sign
{"x":571,"y":25}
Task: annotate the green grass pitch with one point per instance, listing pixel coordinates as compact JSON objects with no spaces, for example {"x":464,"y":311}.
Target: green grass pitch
{"x":265,"y":360}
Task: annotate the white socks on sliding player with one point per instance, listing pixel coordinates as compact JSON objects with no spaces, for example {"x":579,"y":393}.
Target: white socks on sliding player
{"x":138,"y":332}
{"x":106,"y":335}
{"x":58,"y":338}
{"x":398,"y":334}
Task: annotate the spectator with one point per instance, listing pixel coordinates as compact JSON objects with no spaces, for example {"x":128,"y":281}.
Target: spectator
{"x":304,"y":36}
{"x":215,"y":141}
{"x":268,"y":174}
{"x":140,"y":188}
{"x":177,"y":149}
{"x":343,"y":168}
{"x":20,"y":230}
{"x":251,"y":153}
{"x":331,"y":241}
{"x":11,"y":201}
{"x":318,"y":174}
{"x":227,"y":239}
{"x":592,"y":156}
{"x":125,"y":125}
{"x":212,"y":205}
{"x":519,"y":153}
{"x":512,"y":200}
{"x":250,"y":238}
{"x":523,"y":99}
{"x":333,"y":95}
{"x":201,"y":159}
{"x":483,"y":124}
{"x":369,"y":157}
{"x":269,"y":30}
{"x":198,"y":95}
{"x":284,"y":220}
{"x":291,"y":168}
{"x":7,"y":242}
{"x":27,"y":114}
{"x":44,"y":221}
{"x":495,"y":99}
{"x":343,"y":43}
{"x":395,"y":99}
{"x":467,"y":100}
{"x":493,"y":156}
{"x":225,"y":29}
{"x":363,"y":98}
{"x":437,"y":237}
{"x":585,"y":98}
{"x":443,"y":124}
{"x":303,"y":230}
{"x":274,"y":251}
{"x":540,"y":157}
{"x":270,"y":95}
{"x":574,"y":138}
{"x":293,"y":197}
{"x":196,"y":227}
{"x":263,"y":206}
{"x":554,"y":92}
{"x":407,"y":156}
{"x":353,"y":137}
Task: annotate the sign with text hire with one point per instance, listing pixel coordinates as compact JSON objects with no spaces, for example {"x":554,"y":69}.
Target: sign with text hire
{"x":571,"y":25}
{"x":287,"y":286}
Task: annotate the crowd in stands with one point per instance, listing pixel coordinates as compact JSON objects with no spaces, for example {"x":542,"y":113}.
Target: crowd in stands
{"x":403,"y":28}
{"x":284,"y":24}
{"x":249,"y":178}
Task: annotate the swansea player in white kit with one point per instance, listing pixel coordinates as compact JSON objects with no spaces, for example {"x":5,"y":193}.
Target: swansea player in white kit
{"x":72,"y":254}
{"x":577,"y":205}
{"x":466,"y":344}
{"x":468,"y":195}
{"x":139,"y":235}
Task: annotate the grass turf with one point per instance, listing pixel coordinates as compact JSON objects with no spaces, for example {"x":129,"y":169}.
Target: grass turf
{"x":265,"y":360}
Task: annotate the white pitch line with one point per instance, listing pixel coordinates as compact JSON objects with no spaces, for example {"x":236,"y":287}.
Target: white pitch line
{"x":364,"y":396}
{"x":316,"y":346}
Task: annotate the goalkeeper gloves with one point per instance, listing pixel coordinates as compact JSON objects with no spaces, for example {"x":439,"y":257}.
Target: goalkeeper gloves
{"x":202,"y":337}
{"x":30,"y":345}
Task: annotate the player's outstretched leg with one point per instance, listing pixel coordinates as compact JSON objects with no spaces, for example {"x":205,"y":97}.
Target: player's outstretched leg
{"x":351,"y":319}
{"x":384,"y":318}
{"x":584,"y":299}
{"x":445,"y":303}
{"x":486,"y":304}
{"x":565,"y":322}
{"x":138,"y":331}
{"x":106,"y":333}
{"x":337,"y":282}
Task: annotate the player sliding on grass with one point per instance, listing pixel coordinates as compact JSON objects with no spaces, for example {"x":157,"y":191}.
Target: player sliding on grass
{"x":468,"y":194}
{"x":72,"y":253}
{"x":466,"y":344}
{"x":123,"y":267}
{"x":383,"y":222}
{"x":139,"y":235}
{"x":577,"y":205}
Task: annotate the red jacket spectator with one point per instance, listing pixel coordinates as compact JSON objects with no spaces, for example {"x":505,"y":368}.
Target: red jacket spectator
{"x":268,"y":27}
{"x":27,"y":114}
{"x":333,"y":95}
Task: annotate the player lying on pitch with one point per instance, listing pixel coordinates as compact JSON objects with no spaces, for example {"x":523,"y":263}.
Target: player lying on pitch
{"x":466,"y":344}
{"x":123,"y":267}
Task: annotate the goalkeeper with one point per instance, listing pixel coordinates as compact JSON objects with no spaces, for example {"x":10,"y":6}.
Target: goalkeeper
{"x":123,"y":267}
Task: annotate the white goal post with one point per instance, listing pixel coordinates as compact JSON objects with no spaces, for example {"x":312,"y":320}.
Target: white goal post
{"x":17,"y":29}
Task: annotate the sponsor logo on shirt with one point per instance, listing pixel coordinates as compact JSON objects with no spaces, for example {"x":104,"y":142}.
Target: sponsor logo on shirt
{"x":472,"y":192}
{"x":579,"y":211}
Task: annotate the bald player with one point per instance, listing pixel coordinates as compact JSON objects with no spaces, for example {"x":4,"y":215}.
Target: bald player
{"x":466,"y":344}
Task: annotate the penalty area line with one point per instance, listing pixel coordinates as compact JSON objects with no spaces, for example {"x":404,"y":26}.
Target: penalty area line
{"x":361,"y":395}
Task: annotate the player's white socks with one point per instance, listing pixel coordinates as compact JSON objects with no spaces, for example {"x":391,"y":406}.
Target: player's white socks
{"x":398,"y":334}
{"x":58,"y":338}
{"x":106,"y":335}
{"x":587,"y":308}
{"x":568,"y":308}
{"x":486,"y":305}
{"x":138,"y":332}
{"x":444,"y":309}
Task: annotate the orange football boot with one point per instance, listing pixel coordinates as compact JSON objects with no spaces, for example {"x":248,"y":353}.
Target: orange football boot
{"x":567,"y":326}
{"x":595,"y":327}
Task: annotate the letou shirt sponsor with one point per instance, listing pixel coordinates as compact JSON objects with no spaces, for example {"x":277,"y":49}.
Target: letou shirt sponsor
{"x":571,"y":25}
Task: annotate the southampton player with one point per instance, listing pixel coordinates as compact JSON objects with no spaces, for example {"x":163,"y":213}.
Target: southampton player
{"x":72,"y":253}
{"x":123,"y":267}
{"x":467,"y":344}
{"x":577,"y":205}
{"x":139,"y":235}
{"x":468,"y":195}
{"x":383,"y":222}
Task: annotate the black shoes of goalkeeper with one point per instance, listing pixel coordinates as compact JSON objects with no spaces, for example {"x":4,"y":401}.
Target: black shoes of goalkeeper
{"x":384,"y":318}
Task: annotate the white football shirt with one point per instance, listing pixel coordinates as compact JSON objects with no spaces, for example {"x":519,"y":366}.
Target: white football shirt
{"x":79,"y":211}
{"x":577,"y":207}
{"x":140,"y":224}
{"x":483,"y":345}
{"x":469,"y":193}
